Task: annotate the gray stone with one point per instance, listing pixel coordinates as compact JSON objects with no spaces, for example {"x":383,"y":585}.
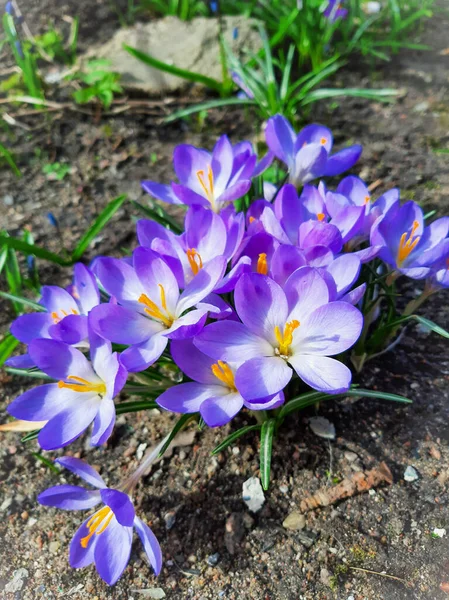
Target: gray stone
{"x":213,"y":559}
{"x":322,"y":427}
{"x":190,"y":45}
{"x":411,"y":474}
{"x":295,"y":521}
{"x":17,"y":582}
{"x":252,"y":494}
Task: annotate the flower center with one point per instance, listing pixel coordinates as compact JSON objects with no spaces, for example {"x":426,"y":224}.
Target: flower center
{"x":223,"y":372}
{"x":262,"y":265}
{"x":154,"y":311}
{"x":407,"y":244}
{"x":207,"y":186}
{"x":285,"y":338}
{"x":323,"y":141}
{"x":195,"y":260}
{"x":56,"y":318}
{"x":82,"y":385}
{"x":320,"y":216}
{"x":97,"y":524}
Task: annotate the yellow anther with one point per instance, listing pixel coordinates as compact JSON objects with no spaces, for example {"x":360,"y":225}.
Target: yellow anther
{"x":195,"y":260}
{"x":407,"y":244}
{"x":97,"y":524}
{"x":252,"y":219}
{"x":285,"y":339}
{"x":82,"y":385}
{"x":208,"y":187}
{"x":323,"y":141}
{"x":367,"y":199}
{"x":320,"y":216}
{"x":262,"y":265}
{"x":223,"y":372}
{"x":56,"y":318}
{"x":154,"y":311}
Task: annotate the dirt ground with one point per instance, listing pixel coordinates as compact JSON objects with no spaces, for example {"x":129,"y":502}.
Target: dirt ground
{"x":379,"y":545}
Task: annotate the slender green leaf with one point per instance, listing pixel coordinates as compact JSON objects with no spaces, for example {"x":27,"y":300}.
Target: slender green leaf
{"x":159,"y":215}
{"x":431,"y":325}
{"x":45,"y":461}
{"x":180,"y":424}
{"x":302,"y":401}
{"x":17,"y":244}
{"x":235,"y":435}
{"x":34,"y":374}
{"x":106,"y":214}
{"x":24,"y":301}
{"x":266,"y":447}
{"x":185,"y":112}
{"x":32,"y":435}
{"x":213,"y":84}
{"x":10,"y":160}
{"x":7,"y":346}
{"x":126,"y":407}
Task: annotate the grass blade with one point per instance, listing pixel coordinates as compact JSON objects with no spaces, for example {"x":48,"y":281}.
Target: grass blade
{"x":266,"y":447}
{"x":235,"y":435}
{"x":126,"y":407}
{"x":36,"y":374}
{"x":431,"y":325}
{"x":24,"y":301}
{"x":7,"y":346}
{"x":17,"y":244}
{"x":106,"y":214}
{"x":180,"y":424}
{"x":159,"y":215}
{"x":10,"y":160}
{"x":185,"y":112}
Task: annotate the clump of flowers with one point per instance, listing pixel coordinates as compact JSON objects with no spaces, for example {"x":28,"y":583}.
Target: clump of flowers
{"x":275,"y":288}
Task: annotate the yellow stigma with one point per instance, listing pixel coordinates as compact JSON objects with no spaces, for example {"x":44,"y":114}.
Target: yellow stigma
{"x":252,"y":219}
{"x":82,"y":385}
{"x":223,"y":372}
{"x":367,"y":199}
{"x":56,"y":318}
{"x":285,"y":339}
{"x":407,"y":244}
{"x":195,"y":260}
{"x":262,"y":265}
{"x":320,"y":216}
{"x":97,"y":524}
{"x":323,"y":141}
{"x":207,"y":186}
{"x":154,"y":311}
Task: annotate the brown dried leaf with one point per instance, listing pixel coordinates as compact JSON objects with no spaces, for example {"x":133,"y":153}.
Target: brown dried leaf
{"x":22,"y":425}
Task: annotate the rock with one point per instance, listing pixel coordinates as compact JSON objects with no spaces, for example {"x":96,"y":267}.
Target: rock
{"x":322,"y":427}
{"x":438,"y":532}
{"x":234,"y":532}
{"x":8,"y":200}
{"x":190,"y":45}
{"x":325,"y":577}
{"x":411,"y":474}
{"x":213,"y":559}
{"x":252,"y":494}
{"x":308,"y":538}
{"x":421,"y":107}
{"x":350,"y":456}
{"x":155,"y":593}
{"x":17,"y":582}
{"x":54,"y":547}
{"x":295,"y":521}
{"x":170,"y":519}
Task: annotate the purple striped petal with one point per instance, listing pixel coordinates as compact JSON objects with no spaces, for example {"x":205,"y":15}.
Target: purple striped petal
{"x":314,"y":134}
{"x":262,"y":377}
{"x":343,"y":160}
{"x":69,"y":424}
{"x":188,"y":397}
{"x":70,"y":330}
{"x":219,"y":410}
{"x":58,"y":360}
{"x":232,"y":342}
{"x":42,"y":402}
{"x":194,"y":363}
{"x":82,"y":469}
{"x":85,"y":288}
{"x":161,"y":192}
{"x":280,"y":138}
{"x":29,"y":327}
{"x":150,"y":545}
{"x":80,"y":557}
{"x":305,"y":290}
{"x":322,"y":373}
{"x":103,"y":423}
{"x":120,"y":504}
{"x":121,"y":325}
{"x":141,"y":356}
{"x":112,"y":551}
{"x":69,"y":497}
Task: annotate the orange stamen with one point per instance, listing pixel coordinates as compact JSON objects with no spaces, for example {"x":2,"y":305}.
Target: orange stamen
{"x":208,"y":187}
{"x":285,"y":339}
{"x":252,"y":219}
{"x":262,"y":265}
{"x":195,"y":260}
{"x":154,"y":311}
{"x":323,"y":141}
{"x":56,"y":318}
{"x":367,"y":199}
{"x":223,"y":372}
{"x":407,"y":244}
{"x":83,"y":385}
{"x":320,"y":216}
{"x":97,"y":524}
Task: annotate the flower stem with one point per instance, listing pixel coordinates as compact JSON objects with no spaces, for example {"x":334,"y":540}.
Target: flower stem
{"x":260,"y":416}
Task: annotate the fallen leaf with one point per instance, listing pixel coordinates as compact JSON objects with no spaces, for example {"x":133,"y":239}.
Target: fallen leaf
{"x":22,"y":425}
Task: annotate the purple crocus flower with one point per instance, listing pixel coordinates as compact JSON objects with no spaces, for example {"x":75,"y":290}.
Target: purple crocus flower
{"x":83,"y":394}
{"x":283,"y":328}
{"x":209,"y":179}
{"x":406,"y":244}
{"x":213,"y":391}
{"x":105,"y":538}
{"x":335,"y":10}
{"x":150,"y":308}
{"x":307,"y":154}
{"x":65,"y":318}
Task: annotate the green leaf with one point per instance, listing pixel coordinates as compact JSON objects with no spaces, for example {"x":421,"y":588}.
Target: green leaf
{"x":362,"y":393}
{"x":431,"y":325}
{"x":12,"y":242}
{"x":32,"y":435}
{"x":126,"y":407}
{"x":180,"y":424}
{"x":213,"y":84}
{"x":266,"y":447}
{"x":24,"y":301}
{"x":34,"y":374}
{"x":7,"y":346}
{"x":159,"y":215}
{"x":180,"y":114}
{"x":235,"y":435}
{"x":106,"y":214}
{"x":45,"y":461}
{"x":10,"y":160}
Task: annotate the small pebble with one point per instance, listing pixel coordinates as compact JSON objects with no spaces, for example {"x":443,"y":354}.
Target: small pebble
{"x":439,"y":532}
{"x":213,"y":559}
{"x":170,"y":520}
{"x":322,"y":427}
{"x":295,"y":521}
{"x":252,"y":494}
{"x":411,"y":474}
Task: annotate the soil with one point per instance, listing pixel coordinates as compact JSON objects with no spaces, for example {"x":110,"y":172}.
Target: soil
{"x":379,"y":545}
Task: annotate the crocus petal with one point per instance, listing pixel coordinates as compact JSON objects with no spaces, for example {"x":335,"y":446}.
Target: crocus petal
{"x":69,"y":424}
{"x":188,"y":397}
{"x":234,"y":192}
{"x":120,"y":504}
{"x":187,"y":161}
{"x":103,"y":422}
{"x":316,"y":233}
{"x":188,"y":196}
{"x":349,"y":221}
{"x":261,"y":304}
{"x":141,"y":356}
{"x":343,"y":160}
{"x":42,"y":402}
{"x":58,"y":300}
{"x":266,"y":404}
{"x":150,"y":545}
{"x":280,"y":138}
{"x":153,"y":272}
{"x":328,"y":330}
{"x":58,"y":360}
{"x":161,"y":192}
{"x":232,"y":342}
{"x":213,"y":303}
{"x":309,"y":164}
{"x":119,"y":279}
{"x":262,"y":376}
{"x":205,"y":232}
{"x":322,"y":373}
{"x":314,"y":134}
{"x":71,"y":329}
{"x":23,"y":361}
{"x":189,"y":325}
{"x":285,"y":261}
{"x":69,"y":497}
{"x":221,"y":164}
{"x":85,"y":287}
{"x":344,"y":269}
{"x":202,"y":284}
{"x":194,"y":363}
{"x":228,"y":283}
{"x":219,"y":410}
{"x":355,"y":189}
{"x":29,"y":327}
{"x":305,"y":290}
{"x":82,"y":469}
{"x":355,"y":295}
{"x":112,"y":551}
{"x":79,"y":556}
{"x":263,"y":164}
{"x":121,"y":325}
